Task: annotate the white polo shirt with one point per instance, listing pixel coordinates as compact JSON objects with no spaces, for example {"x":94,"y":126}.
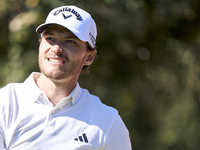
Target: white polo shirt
{"x":28,"y":121}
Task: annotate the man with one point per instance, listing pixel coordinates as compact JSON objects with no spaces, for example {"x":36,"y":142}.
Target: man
{"x":49,"y":111}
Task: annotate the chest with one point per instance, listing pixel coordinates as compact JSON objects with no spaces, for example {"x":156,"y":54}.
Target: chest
{"x":42,"y":128}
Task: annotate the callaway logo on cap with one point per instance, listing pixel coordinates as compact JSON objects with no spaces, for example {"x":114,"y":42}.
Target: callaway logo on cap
{"x":76,"y":20}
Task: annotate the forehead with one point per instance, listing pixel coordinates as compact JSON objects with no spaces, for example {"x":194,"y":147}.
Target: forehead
{"x":58,"y":30}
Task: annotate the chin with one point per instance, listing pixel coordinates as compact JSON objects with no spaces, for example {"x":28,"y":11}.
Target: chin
{"x":55,"y":74}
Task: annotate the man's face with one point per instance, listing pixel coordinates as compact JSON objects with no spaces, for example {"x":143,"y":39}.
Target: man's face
{"x":61,"y":53}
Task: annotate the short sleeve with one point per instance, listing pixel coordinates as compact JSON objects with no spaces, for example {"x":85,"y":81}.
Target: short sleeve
{"x":118,"y":138}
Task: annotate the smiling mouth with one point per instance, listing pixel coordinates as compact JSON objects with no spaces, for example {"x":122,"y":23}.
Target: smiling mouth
{"x":56,"y":60}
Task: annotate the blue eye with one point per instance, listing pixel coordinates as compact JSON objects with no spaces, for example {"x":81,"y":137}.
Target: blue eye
{"x":50,"y":39}
{"x":69,"y":41}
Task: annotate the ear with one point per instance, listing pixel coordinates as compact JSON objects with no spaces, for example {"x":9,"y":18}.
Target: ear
{"x":90,"y":56}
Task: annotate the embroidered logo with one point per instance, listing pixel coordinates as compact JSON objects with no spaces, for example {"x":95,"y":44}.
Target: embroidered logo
{"x":67,"y":9}
{"x":65,"y":17}
{"x":92,"y":39}
{"x":82,"y":138}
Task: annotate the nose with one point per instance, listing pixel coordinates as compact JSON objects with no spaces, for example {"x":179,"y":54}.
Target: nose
{"x":57,"y":49}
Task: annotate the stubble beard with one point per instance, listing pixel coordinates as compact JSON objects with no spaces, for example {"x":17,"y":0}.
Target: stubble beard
{"x":70,"y":70}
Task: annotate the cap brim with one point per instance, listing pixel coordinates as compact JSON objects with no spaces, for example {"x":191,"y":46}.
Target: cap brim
{"x":43,"y":26}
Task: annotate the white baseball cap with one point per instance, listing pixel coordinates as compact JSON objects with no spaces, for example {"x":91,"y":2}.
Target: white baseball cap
{"x":76,"y":20}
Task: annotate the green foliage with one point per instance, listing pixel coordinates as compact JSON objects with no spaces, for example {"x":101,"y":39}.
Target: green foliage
{"x":148,"y":65}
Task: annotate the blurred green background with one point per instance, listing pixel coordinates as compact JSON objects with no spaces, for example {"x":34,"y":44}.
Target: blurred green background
{"x":147,"y":66}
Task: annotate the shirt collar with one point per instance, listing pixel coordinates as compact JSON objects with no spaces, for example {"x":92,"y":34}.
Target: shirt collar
{"x":33,"y":92}
{"x":75,"y":94}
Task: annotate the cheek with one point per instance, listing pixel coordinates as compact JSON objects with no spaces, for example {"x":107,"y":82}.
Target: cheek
{"x":77,"y":54}
{"x":43,"y":49}
{"x":42,"y":53}
{"x":82,"y":53}
{"x":44,"y":46}
{"x":81,"y":57}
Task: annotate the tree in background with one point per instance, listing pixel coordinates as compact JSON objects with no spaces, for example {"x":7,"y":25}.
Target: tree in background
{"x":148,"y":64}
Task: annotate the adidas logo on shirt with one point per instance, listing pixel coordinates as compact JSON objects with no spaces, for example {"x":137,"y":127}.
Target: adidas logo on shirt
{"x":82,"y":138}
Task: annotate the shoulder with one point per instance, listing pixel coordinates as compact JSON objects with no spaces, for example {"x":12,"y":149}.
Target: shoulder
{"x":108,"y":119}
{"x":97,"y":105}
{"x":8,"y":101}
{"x":9,"y":89}
{"x":118,"y":137}
{"x":9,"y":94}
{"x":97,"y":110}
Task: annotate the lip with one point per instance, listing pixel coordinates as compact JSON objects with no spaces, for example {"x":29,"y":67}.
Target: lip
{"x":56,"y":60}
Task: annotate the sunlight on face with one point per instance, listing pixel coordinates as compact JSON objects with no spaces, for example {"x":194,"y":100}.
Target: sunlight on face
{"x":61,"y":53}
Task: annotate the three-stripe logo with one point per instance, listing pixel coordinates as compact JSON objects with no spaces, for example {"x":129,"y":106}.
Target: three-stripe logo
{"x":82,"y":138}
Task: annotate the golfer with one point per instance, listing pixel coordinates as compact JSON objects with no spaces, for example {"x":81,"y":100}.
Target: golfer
{"x":49,"y":110}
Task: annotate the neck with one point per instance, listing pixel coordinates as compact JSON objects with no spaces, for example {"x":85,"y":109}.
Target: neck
{"x":56,"y":90}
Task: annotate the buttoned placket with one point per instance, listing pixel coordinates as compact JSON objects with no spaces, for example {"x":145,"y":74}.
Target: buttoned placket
{"x":50,"y":117}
